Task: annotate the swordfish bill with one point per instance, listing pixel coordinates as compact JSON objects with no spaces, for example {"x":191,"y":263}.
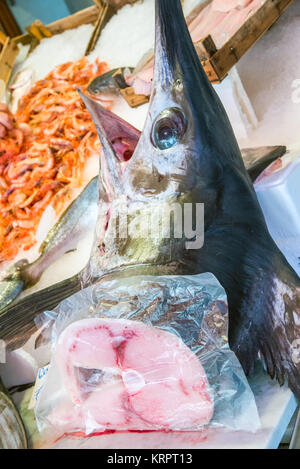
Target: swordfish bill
{"x":263,"y":290}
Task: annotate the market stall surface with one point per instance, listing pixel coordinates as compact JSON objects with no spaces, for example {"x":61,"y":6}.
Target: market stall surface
{"x":276,"y":407}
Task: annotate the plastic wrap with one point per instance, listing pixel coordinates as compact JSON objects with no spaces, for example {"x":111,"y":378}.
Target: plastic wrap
{"x":278,"y":192}
{"x":143,"y":354}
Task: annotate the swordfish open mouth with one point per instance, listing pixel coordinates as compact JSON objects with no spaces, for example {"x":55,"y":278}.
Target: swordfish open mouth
{"x":119,"y":139}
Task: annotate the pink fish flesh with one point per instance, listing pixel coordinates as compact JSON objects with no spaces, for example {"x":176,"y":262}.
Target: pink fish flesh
{"x":221,"y":19}
{"x":204,"y":24}
{"x":125,"y":375}
{"x":227,"y":5}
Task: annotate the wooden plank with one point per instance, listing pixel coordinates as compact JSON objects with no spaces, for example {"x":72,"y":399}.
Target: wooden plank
{"x":134,"y":100}
{"x":251,"y":31}
{"x":38,"y":30}
{"x":3,"y":38}
{"x":105,"y":14}
{"x":206,"y":48}
{"x":8,"y":20}
{"x":23,"y":39}
{"x":86,"y":16}
{"x":210,"y":71}
{"x":7,"y":59}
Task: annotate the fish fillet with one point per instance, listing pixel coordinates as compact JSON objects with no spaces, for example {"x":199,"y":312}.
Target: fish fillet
{"x":227,"y":5}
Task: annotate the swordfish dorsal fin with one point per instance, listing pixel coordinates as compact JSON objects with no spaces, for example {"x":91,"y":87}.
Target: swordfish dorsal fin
{"x":269,"y":322}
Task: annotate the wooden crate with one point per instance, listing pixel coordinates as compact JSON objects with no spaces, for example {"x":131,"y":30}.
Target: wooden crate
{"x":218,"y":62}
{"x":86,"y":16}
{"x":98,"y":15}
{"x":9,"y":46}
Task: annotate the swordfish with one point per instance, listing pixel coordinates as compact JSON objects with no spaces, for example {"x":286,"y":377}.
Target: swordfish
{"x":187,"y":152}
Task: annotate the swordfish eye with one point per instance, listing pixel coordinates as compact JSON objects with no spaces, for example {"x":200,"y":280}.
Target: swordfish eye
{"x":168,"y":128}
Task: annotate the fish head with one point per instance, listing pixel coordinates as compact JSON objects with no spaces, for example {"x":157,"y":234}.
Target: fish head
{"x":185,"y":151}
{"x":109,"y":83}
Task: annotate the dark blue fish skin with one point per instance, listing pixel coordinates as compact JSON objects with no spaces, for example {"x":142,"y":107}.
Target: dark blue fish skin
{"x":206,"y":166}
{"x":238,"y":248}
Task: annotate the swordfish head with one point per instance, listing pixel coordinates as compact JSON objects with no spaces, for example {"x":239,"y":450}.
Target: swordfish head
{"x":185,"y":147}
{"x":187,"y":157}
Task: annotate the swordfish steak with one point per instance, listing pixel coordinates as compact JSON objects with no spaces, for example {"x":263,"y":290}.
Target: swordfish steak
{"x":125,"y":375}
{"x":188,"y":153}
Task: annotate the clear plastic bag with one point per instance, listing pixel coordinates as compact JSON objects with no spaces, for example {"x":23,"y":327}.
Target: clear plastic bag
{"x":142,"y":354}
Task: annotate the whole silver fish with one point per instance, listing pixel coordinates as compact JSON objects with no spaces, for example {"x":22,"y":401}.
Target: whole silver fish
{"x":77,"y":219}
{"x":12,"y":432}
{"x":19,"y":87}
{"x":109,"y":82}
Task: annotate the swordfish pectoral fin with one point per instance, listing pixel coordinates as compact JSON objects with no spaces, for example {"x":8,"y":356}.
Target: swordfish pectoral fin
{"x":272,"y":329}
{"x":284,"y":341}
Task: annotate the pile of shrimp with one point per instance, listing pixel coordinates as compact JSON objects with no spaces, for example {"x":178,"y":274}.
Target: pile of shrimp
{"x":43,"y":151}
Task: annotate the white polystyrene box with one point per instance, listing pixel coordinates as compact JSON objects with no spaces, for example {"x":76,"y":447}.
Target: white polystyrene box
{"x":279,"y":197}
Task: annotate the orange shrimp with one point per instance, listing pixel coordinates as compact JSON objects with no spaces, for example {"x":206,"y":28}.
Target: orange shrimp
{"x":42,"y":155}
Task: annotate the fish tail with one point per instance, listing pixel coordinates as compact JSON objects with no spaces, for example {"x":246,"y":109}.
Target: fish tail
{"x":281,"y":357}
{"x":17,"y":321}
